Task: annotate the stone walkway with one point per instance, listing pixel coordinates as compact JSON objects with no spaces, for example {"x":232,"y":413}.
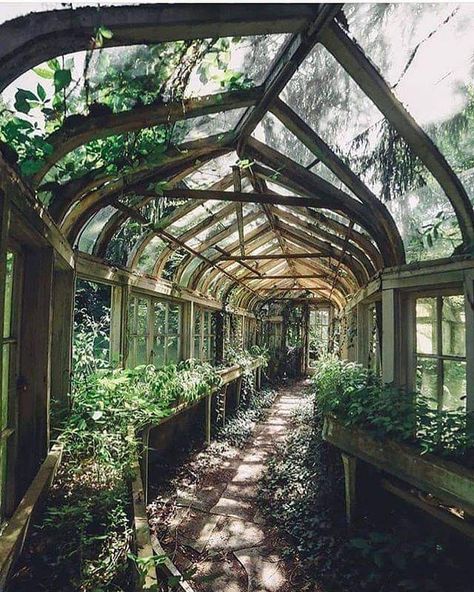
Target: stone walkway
{"x":220,"y":522}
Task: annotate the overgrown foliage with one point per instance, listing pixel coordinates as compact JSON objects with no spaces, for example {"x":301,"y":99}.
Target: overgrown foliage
{"x":84,"y":535}
{"x":358,"y":398}
{"x":302,"y":495}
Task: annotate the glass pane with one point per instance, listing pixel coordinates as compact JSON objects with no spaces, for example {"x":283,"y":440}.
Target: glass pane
{"x":197,"y":320}
{"x":426,"y":379}
{"x":454,"y":326}
{"x":141,"y":351}
{"x":172,"y":348}
{"x":426,"y":326}
{"x":142,"y":316}
{"x":132,"y":324}
{"x":8,"y":294}
{"x":159,"y":318}
{"x":454,"y":388}
{"x":197,"y":347}
{"x":159,"y":351}
{"x":212,"y":351}
{"x":173,"y":319}
{"x":5,"y":385}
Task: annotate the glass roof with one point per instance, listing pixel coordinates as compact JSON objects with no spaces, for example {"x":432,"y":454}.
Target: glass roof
{"x":425,"y":52}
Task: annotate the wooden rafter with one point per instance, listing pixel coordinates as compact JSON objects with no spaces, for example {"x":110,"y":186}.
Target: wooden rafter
{"x":285,"y":65}
{"x":30,"y":40}
{"x":318,"y":147}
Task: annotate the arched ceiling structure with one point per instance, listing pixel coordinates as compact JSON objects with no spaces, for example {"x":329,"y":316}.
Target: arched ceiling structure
{"x":227,"y":214}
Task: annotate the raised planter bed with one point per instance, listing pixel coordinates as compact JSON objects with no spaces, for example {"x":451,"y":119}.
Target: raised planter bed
{"x":450,"y":482}
{"x":16,"y":530}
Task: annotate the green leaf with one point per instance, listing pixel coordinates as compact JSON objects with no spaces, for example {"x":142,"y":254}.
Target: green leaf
{"x":97,"y":415}
{"x":106,"y":33}
{"x":25,"y":95}
{"x":47,"y":73}
{"x":30,"y":167}
{"x":62,"y":79}
{"x":41,"y":92}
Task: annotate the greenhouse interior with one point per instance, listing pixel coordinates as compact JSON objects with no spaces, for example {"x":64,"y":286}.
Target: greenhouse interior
{"x":236,"y":297}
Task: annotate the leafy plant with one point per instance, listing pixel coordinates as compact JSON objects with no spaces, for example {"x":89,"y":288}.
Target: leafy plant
{"x":358,"y":398}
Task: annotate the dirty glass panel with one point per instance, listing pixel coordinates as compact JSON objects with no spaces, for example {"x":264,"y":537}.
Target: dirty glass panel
{"x":150,"y":254}
{"x":454,"y":326}
{"x":425,"y":53}
{"x":159,"y":351}
{"x":426,"y":326}
{"x":159,"y":317}
{"x":7,"y":313}
{"x":93,"y":228}
{"x":427,"y":379}
{"x":454,"y":387}
{"x":206,"y":125}
{"x":273,"y":133}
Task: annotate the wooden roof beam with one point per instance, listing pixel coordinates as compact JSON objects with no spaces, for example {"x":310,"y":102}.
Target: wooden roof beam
{"x":317,"y":146}
{"x":82,"y":129}
{"x":29,"y":40}
{"x":285,"y":64}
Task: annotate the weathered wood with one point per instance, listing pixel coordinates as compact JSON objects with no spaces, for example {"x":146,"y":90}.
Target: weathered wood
{"x":239,"y":208}
{"x":295,"y":177}
{"x":351,"y":57}
{"x":318,"y":147}
{"x":464,"y":526}
{"x":17,"y":528}
{"x":450,"y":482}
{"x":30,"y":40}
{"x":273,"y":256}
{"x":61,"y":341}
{"x":238,"y":196}
{"x":35,"y":365}
{"x":92,"y":127}
{"x":349,"y":463}
{"x":285,"y":64}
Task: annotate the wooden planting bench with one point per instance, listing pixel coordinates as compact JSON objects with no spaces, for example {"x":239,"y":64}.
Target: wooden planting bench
{"x":451,"y":483}
{"x":18,"y":526}
{"x":145,"y":544}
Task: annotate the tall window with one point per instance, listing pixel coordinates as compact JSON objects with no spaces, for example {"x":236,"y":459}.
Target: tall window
{"x":154,"y":331}
{"x":204,"y":335}
{"x":441,"y":350}
{"x":9,"y":365}
{"x":319,"y":330}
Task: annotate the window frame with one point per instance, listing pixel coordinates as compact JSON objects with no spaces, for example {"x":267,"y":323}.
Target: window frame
{"x":151,"y":331}
{"x":439,"y":357}
{"x":8,"y":433}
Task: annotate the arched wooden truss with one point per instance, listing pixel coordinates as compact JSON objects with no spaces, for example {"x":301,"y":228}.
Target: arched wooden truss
{"x":304,"y":236}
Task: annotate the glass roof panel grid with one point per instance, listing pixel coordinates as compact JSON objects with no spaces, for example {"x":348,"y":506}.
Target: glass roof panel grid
{"x":93,"y":228}
{"x":211,"y":172}
{"x":197,"y":215}
{"x":123,"y":241}
{"x":274,"y":134}
{"x":150,"y":254}
{"x":206,"y":125}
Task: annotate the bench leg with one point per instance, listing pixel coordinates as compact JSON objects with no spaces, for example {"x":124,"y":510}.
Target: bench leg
{"x":350,"y":469}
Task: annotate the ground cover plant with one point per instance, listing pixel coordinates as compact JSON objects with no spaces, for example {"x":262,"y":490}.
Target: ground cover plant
{"x":302,"y":495}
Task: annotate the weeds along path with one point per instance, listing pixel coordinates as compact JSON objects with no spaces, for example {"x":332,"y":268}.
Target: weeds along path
{"x":210,"y":524}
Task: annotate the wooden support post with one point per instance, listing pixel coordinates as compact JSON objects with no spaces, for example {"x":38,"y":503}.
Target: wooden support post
{"x":61,"y":342}
{"x":35,"y":365}
{"x":208,"y":418}
{"x":117,"y":325}
{"x":469,"y":308}
{"x":350,"y":469}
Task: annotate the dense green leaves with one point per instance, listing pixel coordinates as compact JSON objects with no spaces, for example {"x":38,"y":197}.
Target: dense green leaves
{"x":358,"y":398}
